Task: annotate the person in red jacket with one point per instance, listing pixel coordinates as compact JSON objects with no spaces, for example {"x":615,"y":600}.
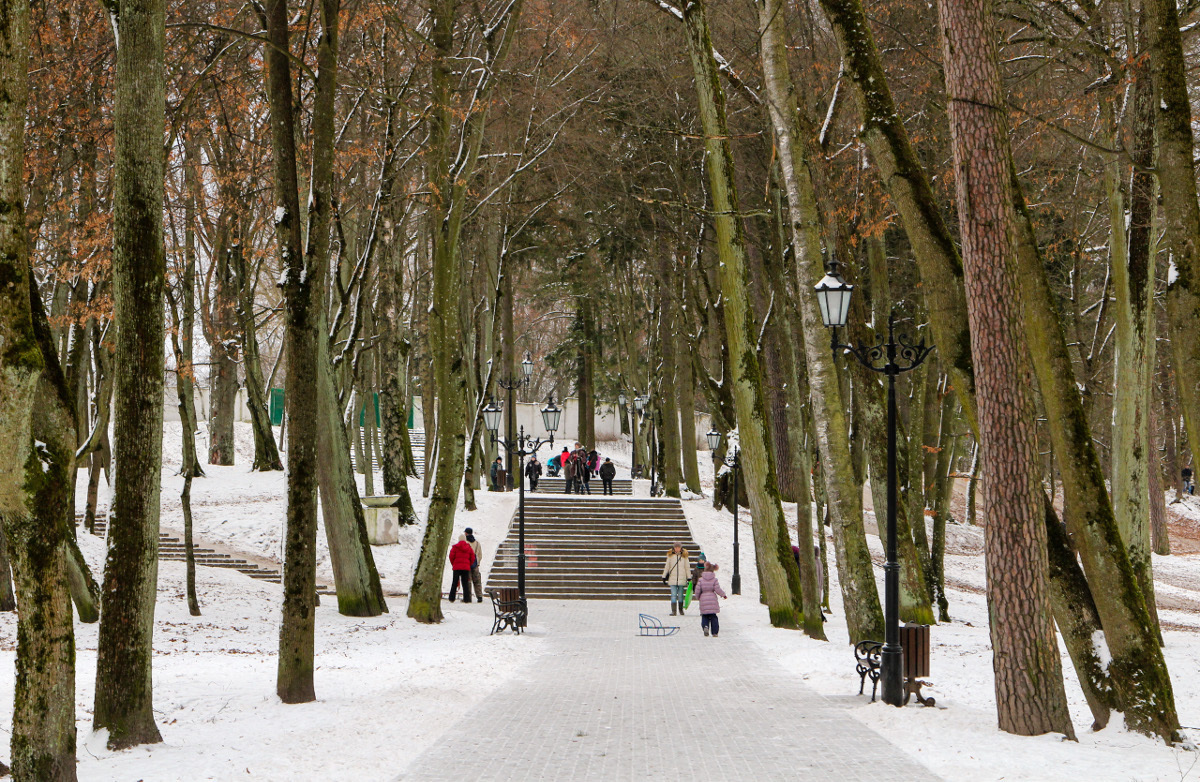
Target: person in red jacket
{"x":462,"y":557}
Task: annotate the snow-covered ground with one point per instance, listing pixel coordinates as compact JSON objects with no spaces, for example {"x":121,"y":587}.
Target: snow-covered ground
{"x":388,"y":688}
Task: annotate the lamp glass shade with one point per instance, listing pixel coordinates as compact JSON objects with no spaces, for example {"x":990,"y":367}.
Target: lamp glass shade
{"x":714,"y":439}
{"x":527,"y":366}
{"x":621,"y":399}
{"x":491,"y":417}
{"x":550,"y":417}
{"x":639,"y":402}
{"x":833,"y":295}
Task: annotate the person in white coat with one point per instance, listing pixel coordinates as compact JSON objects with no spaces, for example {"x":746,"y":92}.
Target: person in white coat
{"x":676,"y":573}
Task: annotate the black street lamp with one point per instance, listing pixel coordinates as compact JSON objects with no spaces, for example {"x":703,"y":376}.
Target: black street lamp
{"x":833,"y":295}
{"x":734,"y":463}
{"x":521,"y":446}
{"x":511,"y":384}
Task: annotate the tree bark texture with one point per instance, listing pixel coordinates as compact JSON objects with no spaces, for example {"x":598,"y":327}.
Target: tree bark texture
{"x":780,"y":576}
{"x":843,"y":495}
{"x":1030,"y":697}
{"x":35,"y":484}
{"x":223,"y":383}
{"x":1176,"y":174}
{"x":294,"y":678}
{"x":124,"y":690}
{"x":672,"y":475}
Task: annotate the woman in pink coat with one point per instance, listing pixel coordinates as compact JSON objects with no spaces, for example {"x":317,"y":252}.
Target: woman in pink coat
{"x":706,"y":592}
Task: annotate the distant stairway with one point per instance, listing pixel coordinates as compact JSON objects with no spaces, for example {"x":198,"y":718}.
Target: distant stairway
{"x":415,"y":436}
{"x":171,"y":549}
{"x":593,"y":548}
{"x":552,"y":485}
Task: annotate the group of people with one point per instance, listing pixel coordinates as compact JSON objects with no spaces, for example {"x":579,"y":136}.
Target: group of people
{"x":678,"y":572}
{"x":465,"y":556}
{"x":578,"y":466}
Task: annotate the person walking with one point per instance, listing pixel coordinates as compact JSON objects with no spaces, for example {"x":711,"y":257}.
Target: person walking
{"x":583,"y":482}
{"x":1189,"y":485}
{"x":608,"y":471}
{"x":533,"y":471}
{"x":476,"y":576}
{"x":675,"y":574}
{"x":706,"y":593}
{"x":569,"y":468}
{"x":462,"y":557}
{"x":497,"y":468}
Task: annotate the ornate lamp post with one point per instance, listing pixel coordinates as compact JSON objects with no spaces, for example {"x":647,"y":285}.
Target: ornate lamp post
{"x":833,"y":295}
{"x":521,"y":446}
{"x":511,"y":384}
{"x":639,"y":403}
{"x":732,"y":460}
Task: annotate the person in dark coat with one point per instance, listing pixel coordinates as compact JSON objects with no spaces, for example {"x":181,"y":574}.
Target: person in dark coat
{"x":1188,"y":484}
{"x":569,"y":468}
{"x":497,"y":474}
{"x":533,"y":471}
{"x":583,"y":475}
{"x":462,"y":557}
{"x":476,"y":576}
{"x":608,"y":471}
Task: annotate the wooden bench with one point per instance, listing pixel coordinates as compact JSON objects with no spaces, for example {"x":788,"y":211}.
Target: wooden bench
{"x":510,"y":609}
{"x":914,"y":641}
{"x":651,"y":626}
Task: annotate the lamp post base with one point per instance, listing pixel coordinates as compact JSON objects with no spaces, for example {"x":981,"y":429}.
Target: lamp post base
{"x":735,"y":584}
{"x":891,"y":677}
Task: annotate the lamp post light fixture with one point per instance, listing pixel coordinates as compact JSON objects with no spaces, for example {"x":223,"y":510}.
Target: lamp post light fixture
{"x":735,"y":465}
{"x":889,"y":358}
{"x":511,"y":384}
{"x":521,"y":446}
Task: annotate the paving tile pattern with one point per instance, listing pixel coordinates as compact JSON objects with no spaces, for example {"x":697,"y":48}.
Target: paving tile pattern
{"x":604,"y":703}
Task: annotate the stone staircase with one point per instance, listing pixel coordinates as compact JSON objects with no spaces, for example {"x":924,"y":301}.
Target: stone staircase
{"x":171,"y":549}
{"x":593,"y":547}
{"x":415,"y":436}
{"x":546,"y":485}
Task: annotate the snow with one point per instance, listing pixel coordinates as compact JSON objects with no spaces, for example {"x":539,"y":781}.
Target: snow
{"x":389,"y":688}
{"x":1172,"y":273}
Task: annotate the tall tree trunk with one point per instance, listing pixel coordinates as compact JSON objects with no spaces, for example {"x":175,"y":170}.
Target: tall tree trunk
{"x":843,"y":496}
{"x":223,"y":383}
{"x":358,"y":589}
{"x":33,"y":483}
{"x":449,"y":175}
{"x":1134,"y":354}
{"x":294,"y":679}
{"x":124,"y":689}
{"x":185,"y":321}
{"x":672,"y":469}
{"x":1030,"y":697}
{"x":1176,"y":174}
{"x":266,"y":453}
{"x":772,"y":544}
{"x":685,"y":390}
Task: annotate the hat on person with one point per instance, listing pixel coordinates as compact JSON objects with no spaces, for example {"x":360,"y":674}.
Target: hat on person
{"x":607,"y":459}
{"x":462,"y":537}
{"x":469,"y":531}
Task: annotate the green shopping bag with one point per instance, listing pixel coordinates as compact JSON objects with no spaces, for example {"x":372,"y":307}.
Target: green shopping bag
{"x":687,"y":596}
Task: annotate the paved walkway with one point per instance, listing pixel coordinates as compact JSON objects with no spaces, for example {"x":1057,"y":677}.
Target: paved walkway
{"x":606,"y":704}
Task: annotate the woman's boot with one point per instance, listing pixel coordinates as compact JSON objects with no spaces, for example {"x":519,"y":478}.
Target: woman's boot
{"x":672,"y":608}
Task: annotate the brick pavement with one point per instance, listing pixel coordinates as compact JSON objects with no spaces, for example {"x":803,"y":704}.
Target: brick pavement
{"x":604,"y":703}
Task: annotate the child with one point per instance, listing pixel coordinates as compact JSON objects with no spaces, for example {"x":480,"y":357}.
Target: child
{"x":706,"y":592}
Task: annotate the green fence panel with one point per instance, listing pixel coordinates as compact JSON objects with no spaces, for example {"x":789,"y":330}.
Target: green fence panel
{"x":276,"y":406}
